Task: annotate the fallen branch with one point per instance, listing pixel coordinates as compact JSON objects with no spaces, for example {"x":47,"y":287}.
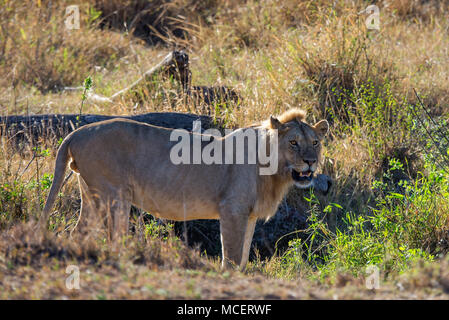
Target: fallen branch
{"x":175,"y":64}
{"x":22,"y":130}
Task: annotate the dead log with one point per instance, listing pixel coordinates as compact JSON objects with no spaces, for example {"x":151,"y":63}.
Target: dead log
{"x":31,"y":130}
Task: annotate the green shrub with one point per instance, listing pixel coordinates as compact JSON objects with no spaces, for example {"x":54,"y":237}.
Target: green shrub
{"x":156,"y":230}
{"x":408,"y":223}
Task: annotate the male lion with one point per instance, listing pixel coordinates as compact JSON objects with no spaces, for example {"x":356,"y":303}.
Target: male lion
{"x":123,"y":162}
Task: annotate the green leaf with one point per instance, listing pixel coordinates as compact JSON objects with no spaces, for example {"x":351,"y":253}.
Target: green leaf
{"x":396,"y":195}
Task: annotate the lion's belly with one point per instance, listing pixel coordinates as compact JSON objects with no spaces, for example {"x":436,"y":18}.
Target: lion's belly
{"x":178,"y":205}
{"x":190,"y":210}
{"x":183,"y":211}
{"x":179,"y":214}
{"x":173,"y":192}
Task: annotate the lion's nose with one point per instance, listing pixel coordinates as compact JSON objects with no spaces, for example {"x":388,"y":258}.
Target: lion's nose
{"x":310,"y":162}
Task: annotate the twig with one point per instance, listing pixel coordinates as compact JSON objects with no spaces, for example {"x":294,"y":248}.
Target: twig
{"x":443,"y":134}
{"x":176,"y":63}
{"x":436,"y":144}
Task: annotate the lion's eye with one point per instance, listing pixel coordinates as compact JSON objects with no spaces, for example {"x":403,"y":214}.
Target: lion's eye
{"x":293,"y":142}
{"x":315,"y":143}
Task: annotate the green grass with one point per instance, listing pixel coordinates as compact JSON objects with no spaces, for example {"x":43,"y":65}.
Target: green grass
{"x":389,"y":203}
{"x":408,"y":223}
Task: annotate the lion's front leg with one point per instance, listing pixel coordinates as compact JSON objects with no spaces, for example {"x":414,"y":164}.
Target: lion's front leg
{"x":251,"y":225}
{"x":233,"y":227}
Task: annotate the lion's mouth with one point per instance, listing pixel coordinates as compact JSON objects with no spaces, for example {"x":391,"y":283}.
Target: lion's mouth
{"x":302,"y":176}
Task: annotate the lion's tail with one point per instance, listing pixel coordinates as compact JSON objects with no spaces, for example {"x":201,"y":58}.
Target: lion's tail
{"x":62,"y":158}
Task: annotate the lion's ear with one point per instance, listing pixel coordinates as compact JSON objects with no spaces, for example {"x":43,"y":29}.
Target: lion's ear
{"x":275,"y":123}
{"x":321,"y":128}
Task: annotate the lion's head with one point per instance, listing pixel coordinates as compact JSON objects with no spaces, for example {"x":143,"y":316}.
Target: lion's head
{"x":299,"y":145}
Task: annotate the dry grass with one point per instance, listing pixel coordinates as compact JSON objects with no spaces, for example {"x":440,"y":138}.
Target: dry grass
{"x":317,"y":55}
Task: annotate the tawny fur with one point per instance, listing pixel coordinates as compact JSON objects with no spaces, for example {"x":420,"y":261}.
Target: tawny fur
{"x":122,"y":163}
{"x":294,"y":114}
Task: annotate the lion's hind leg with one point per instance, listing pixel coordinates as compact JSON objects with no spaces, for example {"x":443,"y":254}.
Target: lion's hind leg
{"x":90,"y":207}
{"x":116,"y":206}
{"x":107,"y":206}
{"x":119,"y":224}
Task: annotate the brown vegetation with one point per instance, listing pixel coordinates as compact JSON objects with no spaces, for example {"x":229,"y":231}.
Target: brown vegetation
{"x":317,"y":55}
